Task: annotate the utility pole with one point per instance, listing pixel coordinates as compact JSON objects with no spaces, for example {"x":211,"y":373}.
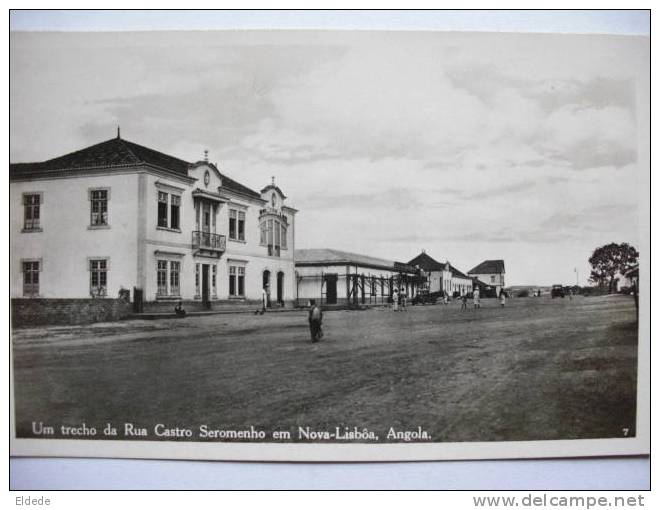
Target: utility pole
{"x":577,"y":277}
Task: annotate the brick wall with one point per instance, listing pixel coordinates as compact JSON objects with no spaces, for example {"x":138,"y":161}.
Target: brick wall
{"x":37,"y":312}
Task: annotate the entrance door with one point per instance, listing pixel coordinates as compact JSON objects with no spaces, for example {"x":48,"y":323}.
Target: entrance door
{"x":331,"y":289}
{"x":280,"y":287}
{"x":137,"y":300}
{"x":266,"y":285}
{"x":206,"y":302}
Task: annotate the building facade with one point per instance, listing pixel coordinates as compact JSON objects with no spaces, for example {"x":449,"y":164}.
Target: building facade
{"x":442,"y":277}
{"x":118,"y":216}
{"x":490,"y":272}
{"x":334,"y":277}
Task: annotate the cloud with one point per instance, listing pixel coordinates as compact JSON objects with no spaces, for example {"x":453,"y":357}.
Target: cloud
{"x":473,"y":145}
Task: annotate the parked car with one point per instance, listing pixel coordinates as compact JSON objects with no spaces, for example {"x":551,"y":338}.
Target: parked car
{"x":557,"y":291}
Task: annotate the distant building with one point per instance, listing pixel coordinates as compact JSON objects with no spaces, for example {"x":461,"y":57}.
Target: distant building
{"x":490,"y":272}
{"x":442,"y":277}
{"x":118,"y":215}
{"x":338,"y":277}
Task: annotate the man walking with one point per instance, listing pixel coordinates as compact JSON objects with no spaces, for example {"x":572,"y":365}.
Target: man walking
{"x":315,"y":321}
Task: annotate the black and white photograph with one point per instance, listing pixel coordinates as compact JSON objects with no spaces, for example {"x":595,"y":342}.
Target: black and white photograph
{"x":329,"y":245}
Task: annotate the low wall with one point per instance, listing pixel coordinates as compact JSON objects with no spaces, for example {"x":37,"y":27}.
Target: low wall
{"x":197,"y":306}
{"x":39,"y":312}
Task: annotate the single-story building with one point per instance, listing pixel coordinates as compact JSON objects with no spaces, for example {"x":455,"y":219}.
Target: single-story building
{"x":338,"y":277}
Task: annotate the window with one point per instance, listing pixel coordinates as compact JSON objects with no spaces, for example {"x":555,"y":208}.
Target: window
{"x":174,"y":279}
{"x":162,"y":209}
{"x":237,"y":281}
{"x":175,"y":268}
{"x":273,"y":235}
{"x":174,"y":202}
{"x":98,"y":277}
{"x":175,"y":205}
{"x":232,"y":223}
{"x":161,"y":278}
{"x":236,"y":225}
{"x":284,"y":247}
{"x":232,"y":280}
{"x":241,"y":281}
{"x":493,"y":278}
{"x":31,"y":278}
{"x":99,"y":207}
{"x":32,"y":204}
{"x":241,"y":225}
{"x":277,"y":233}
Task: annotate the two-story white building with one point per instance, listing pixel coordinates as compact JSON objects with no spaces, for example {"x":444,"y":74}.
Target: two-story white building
{"x":490,"y":272}
{"x":118,"y":215}
{"x":442,"y":277}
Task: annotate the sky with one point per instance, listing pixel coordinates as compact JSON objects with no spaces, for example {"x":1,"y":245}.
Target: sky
{"x":470,"y":146}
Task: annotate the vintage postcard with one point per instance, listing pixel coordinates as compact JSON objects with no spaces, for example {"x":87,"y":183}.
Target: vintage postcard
{"x":327,"y":245}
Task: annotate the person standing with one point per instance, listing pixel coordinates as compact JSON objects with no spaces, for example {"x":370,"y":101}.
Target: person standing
{"x":264,"y":299}
{"x":477,"y":303}
{"x":404,"y":297}
{"x":502,"y":298}
{"x":315,"y":320}
{"x":395,"y":299}
{"x":464,"y":300}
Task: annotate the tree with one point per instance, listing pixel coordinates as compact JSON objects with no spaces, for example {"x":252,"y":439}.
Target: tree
{"x":610,"y":260}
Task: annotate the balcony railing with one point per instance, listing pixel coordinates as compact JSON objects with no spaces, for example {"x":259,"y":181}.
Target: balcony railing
{"x":273,"y":211}
{"x":208,"y":241}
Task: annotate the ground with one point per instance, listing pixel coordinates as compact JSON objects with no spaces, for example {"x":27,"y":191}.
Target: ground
{"x":537,"y":369}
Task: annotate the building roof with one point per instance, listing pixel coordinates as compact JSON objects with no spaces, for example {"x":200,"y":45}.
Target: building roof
{"x":115,"y":153}
{"x":488,"y":267}
{"x":273,"y":187}
{"x":428,"y":263}
{"x":327,"y":256}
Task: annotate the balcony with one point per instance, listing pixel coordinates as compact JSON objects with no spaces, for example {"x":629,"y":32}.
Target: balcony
{"x":212,"y":244}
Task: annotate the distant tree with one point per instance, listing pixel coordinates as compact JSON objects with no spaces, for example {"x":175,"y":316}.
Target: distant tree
{"x":610,"y":260}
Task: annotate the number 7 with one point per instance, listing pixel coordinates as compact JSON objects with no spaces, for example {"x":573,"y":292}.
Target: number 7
{"x":625,"y":431}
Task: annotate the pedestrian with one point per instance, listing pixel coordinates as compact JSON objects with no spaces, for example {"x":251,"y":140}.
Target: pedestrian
{"x":315,"y":321}
{"x":404,"y":298}
{"x":464,"y":300}
{"x":178,"y":309}
{"x":502,"y":298}
{"x":445,"y":298}
{"x":395,"y":299}
{"x":475,"y":297}
{"x":264,"y":299}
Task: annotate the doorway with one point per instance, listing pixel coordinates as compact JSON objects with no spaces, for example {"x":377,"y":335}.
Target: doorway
{"x":266,"y":286}
{"x":330,"y":289}
{"x":280,"y":287}
{"x":206,"y":302}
